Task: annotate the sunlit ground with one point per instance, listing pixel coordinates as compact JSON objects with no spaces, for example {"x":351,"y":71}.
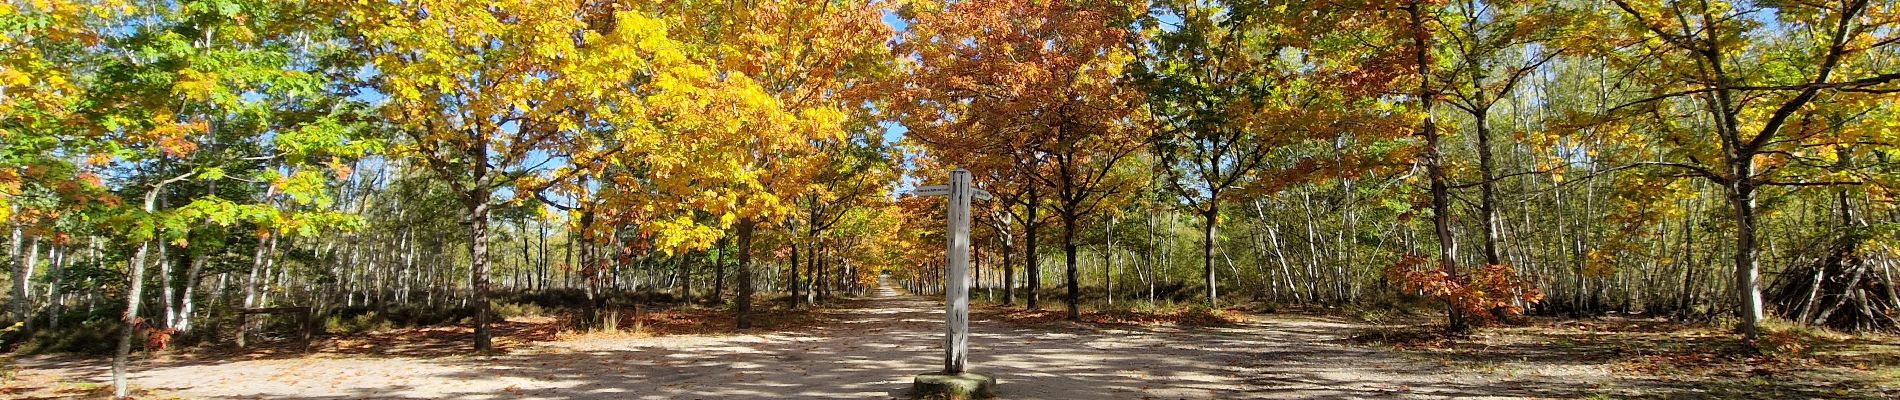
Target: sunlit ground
{"x":870,"y":348}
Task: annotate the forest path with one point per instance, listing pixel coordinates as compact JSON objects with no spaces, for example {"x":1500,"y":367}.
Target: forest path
{"x":871,"y":348}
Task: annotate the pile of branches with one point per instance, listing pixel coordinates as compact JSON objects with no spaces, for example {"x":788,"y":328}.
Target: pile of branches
{"x":1840,"y":286}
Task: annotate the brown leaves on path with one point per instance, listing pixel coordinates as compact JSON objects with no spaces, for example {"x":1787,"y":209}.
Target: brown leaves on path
{"x":702,"y":321}
{"x":1644,"y":356}
{"x":1195,"y":316}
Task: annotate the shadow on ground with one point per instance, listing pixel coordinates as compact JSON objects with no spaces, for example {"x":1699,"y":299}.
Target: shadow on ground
{"x":1642,"y":359}
{"x":870,"y":348}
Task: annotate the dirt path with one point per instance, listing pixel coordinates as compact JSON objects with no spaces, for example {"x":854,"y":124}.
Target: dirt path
{"x":871,"y":351}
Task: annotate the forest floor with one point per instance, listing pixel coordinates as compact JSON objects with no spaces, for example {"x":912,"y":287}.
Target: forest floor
{"x":870,"y":348}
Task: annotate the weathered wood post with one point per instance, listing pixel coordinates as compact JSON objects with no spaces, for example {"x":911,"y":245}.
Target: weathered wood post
{"x":954,"y":381}
{"x":956,"y":350}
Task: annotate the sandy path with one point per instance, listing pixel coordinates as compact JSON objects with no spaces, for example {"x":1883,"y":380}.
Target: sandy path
{"x":870,"y":352}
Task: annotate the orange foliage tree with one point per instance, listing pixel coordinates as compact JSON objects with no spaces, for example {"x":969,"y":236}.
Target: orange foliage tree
{"x":1039,"y":82}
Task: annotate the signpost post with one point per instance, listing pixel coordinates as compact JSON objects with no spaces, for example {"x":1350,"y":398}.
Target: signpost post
{"x":954,"y":381}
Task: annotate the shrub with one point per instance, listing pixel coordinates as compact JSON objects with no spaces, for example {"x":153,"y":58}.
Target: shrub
{"x":359,"y":323}
{"x":512,"y":310}
{"x":1484,"y":294}
{"x":92,"y":337}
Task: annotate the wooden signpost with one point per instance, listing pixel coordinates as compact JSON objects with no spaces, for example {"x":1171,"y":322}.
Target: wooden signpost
{"x":954,"y":381}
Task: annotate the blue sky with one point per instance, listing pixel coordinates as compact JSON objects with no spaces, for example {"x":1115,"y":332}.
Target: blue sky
{"x":894,"y":132}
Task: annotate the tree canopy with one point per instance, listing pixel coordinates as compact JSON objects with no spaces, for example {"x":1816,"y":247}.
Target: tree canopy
{"x":1634,"y":156}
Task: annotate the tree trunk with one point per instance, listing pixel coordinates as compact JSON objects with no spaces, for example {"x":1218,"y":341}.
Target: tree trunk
{"x":1433,"y":158}
{"x":1108,"y":258}
{"x":825,"y":276}
{"x":792,"y":285}
{"x":1069,"y":260}
{"x":1165,"y":269}
{"x":743,"y":282}
{"x":19,"y":305}
{"x":134,"y":292}
{"x":32,"y":261}
{"x":1148,"y":258}
{"x":1009,"y":274}
{"x":183,"y":321}
{"x":1030,"y":262}
{"x":1488,"y":197}
{"x":591,"y":269}
{"x":541,"y":226}
{"x":819,"y":288}
{"x":1286,"y":268}
{"x":57,"y":269}
{"x":129,"y":319}
{"x":167,"y":292}
{"x":257,"y":268}
{"x":527,"y":270}
{"x":1747,"y":265}
{"x":1686,"y":298}
{"x":1208,"y":218}
{"x":478,"y":208}
{"x":719,"y":273}
{"x":685,"y":283}
{"x":976,"y":265}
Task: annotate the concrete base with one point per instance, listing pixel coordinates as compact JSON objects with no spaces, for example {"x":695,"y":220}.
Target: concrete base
{"x":967,"y":385}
